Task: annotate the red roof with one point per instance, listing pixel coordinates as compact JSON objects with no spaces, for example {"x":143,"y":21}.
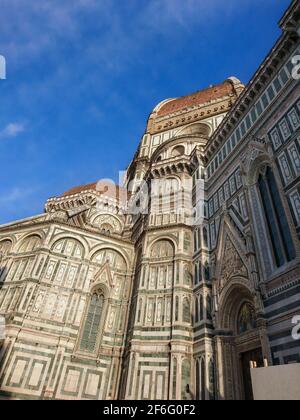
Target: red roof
{"x":105,"y":188}
{"x":215,"y":92}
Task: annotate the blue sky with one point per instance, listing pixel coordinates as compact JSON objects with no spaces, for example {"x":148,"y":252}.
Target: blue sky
{"x":83,"y":76}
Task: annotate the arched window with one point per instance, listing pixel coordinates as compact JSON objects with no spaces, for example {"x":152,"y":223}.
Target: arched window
{"x":196,"y":275}
{"x":278,"y":227}
{"x":186,"y":310}
{"x":199,"y":238}
{"x":205,"y":238}
{"x":187,"y":276}
{"x":200,"y":272}
{"x":208,"y":307}
{"x":140,"y":310}
{"x":197,"y":380}
{"x":211,"y":369}
{"x":195,"y":241}
{"x":185,"y":377}
{"x":203,"y":385}
{"x":206,"y":272}
{"x":196,"y":309}
{"x":201,"y":307}
{"x":177,"y":308}
{"x":187,"y":241}
{"x":92,"y":323}
{"x":174,"y":378}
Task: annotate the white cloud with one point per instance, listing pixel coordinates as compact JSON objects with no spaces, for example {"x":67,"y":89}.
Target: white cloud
{"x":12,"y":129}
{"x":15,"y":195}
{"x":29,"y":27}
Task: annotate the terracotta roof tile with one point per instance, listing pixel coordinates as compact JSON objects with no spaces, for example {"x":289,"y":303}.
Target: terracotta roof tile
{"x":108,"y":190}
{"x":224,"y":89}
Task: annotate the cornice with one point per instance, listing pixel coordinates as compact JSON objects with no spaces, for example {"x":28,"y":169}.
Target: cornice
{"x":251,"y":92}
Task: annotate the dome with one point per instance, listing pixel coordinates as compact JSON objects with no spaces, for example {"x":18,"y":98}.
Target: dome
{"x":105,"y":188}
{"x":209,"y":94}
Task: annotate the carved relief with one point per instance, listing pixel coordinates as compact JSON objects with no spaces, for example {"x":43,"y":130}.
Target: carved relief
{"x":232,"y":264}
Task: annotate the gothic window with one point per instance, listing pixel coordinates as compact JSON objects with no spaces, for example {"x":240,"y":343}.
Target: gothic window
{"x":200,"y":273}
{"x":177,"y":308}
{"x":186,"y":310}
{"x":196,"y":309}
{"x":197,"y":380}
{"x":211,"y":369}
{"x":208,"y":308}
{"x":279,"y":231}
{"x":187,"y":276}
{"x":187,"y":241}
{"x":203,"y":385}
{"x":140,"y":310}
{"x":195,"y":241}
{"x":174,"y":378}
{"x":246,"y":319}
{"x":206,"y":272}
{"x":199,"y":238}
{"x":201,"y":307}
{"x":185,"y":377}
{"x":205,"y":238}
{"x":196,"y":274}
{"x":92,"y":323}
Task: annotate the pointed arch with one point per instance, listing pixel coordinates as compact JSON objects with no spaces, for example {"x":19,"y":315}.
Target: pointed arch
{"x":231,"y":255}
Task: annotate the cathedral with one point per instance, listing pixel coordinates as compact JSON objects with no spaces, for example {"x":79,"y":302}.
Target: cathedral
{"x":167,"y":287}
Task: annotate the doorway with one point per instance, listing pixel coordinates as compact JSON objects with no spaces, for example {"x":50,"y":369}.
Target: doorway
{"x":246,"y":358}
